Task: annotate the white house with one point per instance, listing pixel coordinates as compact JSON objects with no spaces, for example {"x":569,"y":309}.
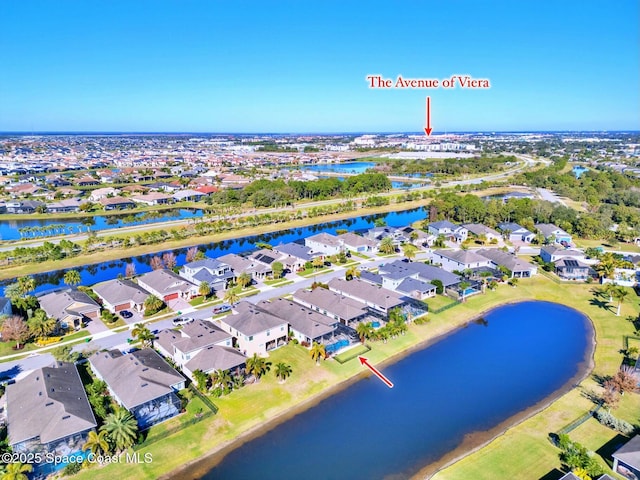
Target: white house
{"x":459,"y":260}
{"x":451,"y":231}
{"x":324,"y":243}
{"x":254,"y":330}
{"x":167,"y":286}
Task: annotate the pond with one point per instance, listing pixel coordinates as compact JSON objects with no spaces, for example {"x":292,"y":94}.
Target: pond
{"x":346,"y":167}
{"x":468,"y":383}
{"x":100,"y":272}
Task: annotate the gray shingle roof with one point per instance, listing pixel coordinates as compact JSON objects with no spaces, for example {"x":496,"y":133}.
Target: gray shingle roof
{"x":120,"y":291}
{"x":351,"y":239}
{"x":68,"y":302}
{"x":165,"y":281}
{"x":461,"y":256}
{"x":137,"y":377}
{"x":373,"y":294}
{"x":332,"y":302}
{"x":430,"y":273}
{"x":216,"y":357}
{"x":199,"y":334}
{"x":303,"y":320}
{"x":295,"y":250}
{"x":409,"y":285}
{"x":480,"y":229}
{"x":50,"y":403}
{"x":629,"y":453}
{"x":251,"y":320}
{"x":505,"y":259}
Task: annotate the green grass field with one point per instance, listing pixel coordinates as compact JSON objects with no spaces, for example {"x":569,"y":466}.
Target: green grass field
{"x":522,"y":452}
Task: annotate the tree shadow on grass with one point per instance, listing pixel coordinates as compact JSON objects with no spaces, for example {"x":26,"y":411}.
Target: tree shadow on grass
{"x":600,"y":379}
{"x":554,"y":474}
{"x":606,"y":450}
{"x":590,"y":395}
{"x":602,"y":304}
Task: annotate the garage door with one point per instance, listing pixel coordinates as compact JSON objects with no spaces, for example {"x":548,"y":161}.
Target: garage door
{"x":122,"y":306}
{"x":173,"y":296}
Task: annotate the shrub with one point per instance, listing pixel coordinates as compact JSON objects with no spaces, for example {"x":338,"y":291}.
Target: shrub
{"x":608,"y":420}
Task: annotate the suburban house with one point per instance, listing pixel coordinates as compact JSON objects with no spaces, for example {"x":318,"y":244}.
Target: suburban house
{"x":117,"y":295}
{"x":550,"y":231}
{"x":100,"y":193}
{"x":166,"y":285}
{"x":25,"y":206}
{"x":459,"y":260}
{"x":519,"y":268}
{"x":299,"y":253}
{"x":153,"y":198}
{"x":255,"y":330}
{"x":399,"y":277}
{"x":250,"y":265}
{"x":551,"y":253}
{"x":379,"y":233}
{"x":306,"y":325}
{"x":343,"y":309}
{"x":142,"y":382}
{"x":515,"y":233}
{"x":48,"y":411}
{"x":626,"y":460}
{"x":188,"y":195}
{"x":69,"y":307}
{"x":62,"y":206}
{"x":378,"y":299}
{"x":199,"y":345}
{"x":117,"y":203}
{"x":418,"y":237}
{"x":216,"y":273}
{"x":572,"y":269}
{"x":478,"y":230}
{"x":358,"y":243}
{"x":450,"y":231}
{"x":324,"y":243}
{"x":5,"y":306}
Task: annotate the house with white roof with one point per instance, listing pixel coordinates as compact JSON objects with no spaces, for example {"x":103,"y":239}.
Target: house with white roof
{"x":459,"y":260}
{"x":324,"y":243}
{"x":121,"y":294}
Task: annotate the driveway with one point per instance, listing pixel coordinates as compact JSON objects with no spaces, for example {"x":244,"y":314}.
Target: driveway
{"x":178,"y":305}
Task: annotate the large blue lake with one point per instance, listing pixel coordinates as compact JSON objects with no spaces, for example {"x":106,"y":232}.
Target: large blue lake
{"x":100,"y":272}
{"x":471,"y":381}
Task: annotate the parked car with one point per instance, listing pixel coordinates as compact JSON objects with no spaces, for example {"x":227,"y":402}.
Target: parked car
{"x":126,"y":314}
{"x":181,"y":321}
{"x":221,"y":308}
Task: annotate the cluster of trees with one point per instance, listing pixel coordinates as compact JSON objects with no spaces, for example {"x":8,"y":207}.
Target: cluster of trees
{"x":612,"y":197}
{"x":394,"y":327}
{"x":278,"y":193}
{"x":524,"y":211}
{"x":578,"y":459}
{"x":47,"y":251}
{"x":448,"y":166}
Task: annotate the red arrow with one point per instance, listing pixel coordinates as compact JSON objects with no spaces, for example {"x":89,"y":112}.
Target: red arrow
{"x":375,"y":371}
{"x":428,"y":129}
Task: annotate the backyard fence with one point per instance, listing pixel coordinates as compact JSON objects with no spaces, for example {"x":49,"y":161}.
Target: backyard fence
{"x":446,"y":307}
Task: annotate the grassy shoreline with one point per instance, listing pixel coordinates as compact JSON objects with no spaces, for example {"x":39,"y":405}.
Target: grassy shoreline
{"x":120,"y":253}
{"x":522,"y":451}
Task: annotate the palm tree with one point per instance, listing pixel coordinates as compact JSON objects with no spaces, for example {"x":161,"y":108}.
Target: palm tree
{"x":317,"y":352}
{"x":202,"y":379}
{"x":231,"y":297}
{"x":608,"y":289}
{"x":121,"y":428}
{"x":607,"y":266}
{"x":152,"y":304}
{"x":364,"y":331}
{"x":97,"y":442}
{"x":282,"y":371}
{"x":351,"y":272}
{"x":40,"y":325}
{"x":387,"y":246}
{"x":17,"y":471}
{"x":72,"y":278}
{"x":257,"y":366}
{"x":409,"y":251}
{"x":26,"y":285}
{"x":620,"y":294}
{"x":143,"y":334}
{"x":244,"y":279}
{"x":204,"y":289}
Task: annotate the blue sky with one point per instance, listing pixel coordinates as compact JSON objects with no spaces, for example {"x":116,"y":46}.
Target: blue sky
{"x":300,"y":66}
